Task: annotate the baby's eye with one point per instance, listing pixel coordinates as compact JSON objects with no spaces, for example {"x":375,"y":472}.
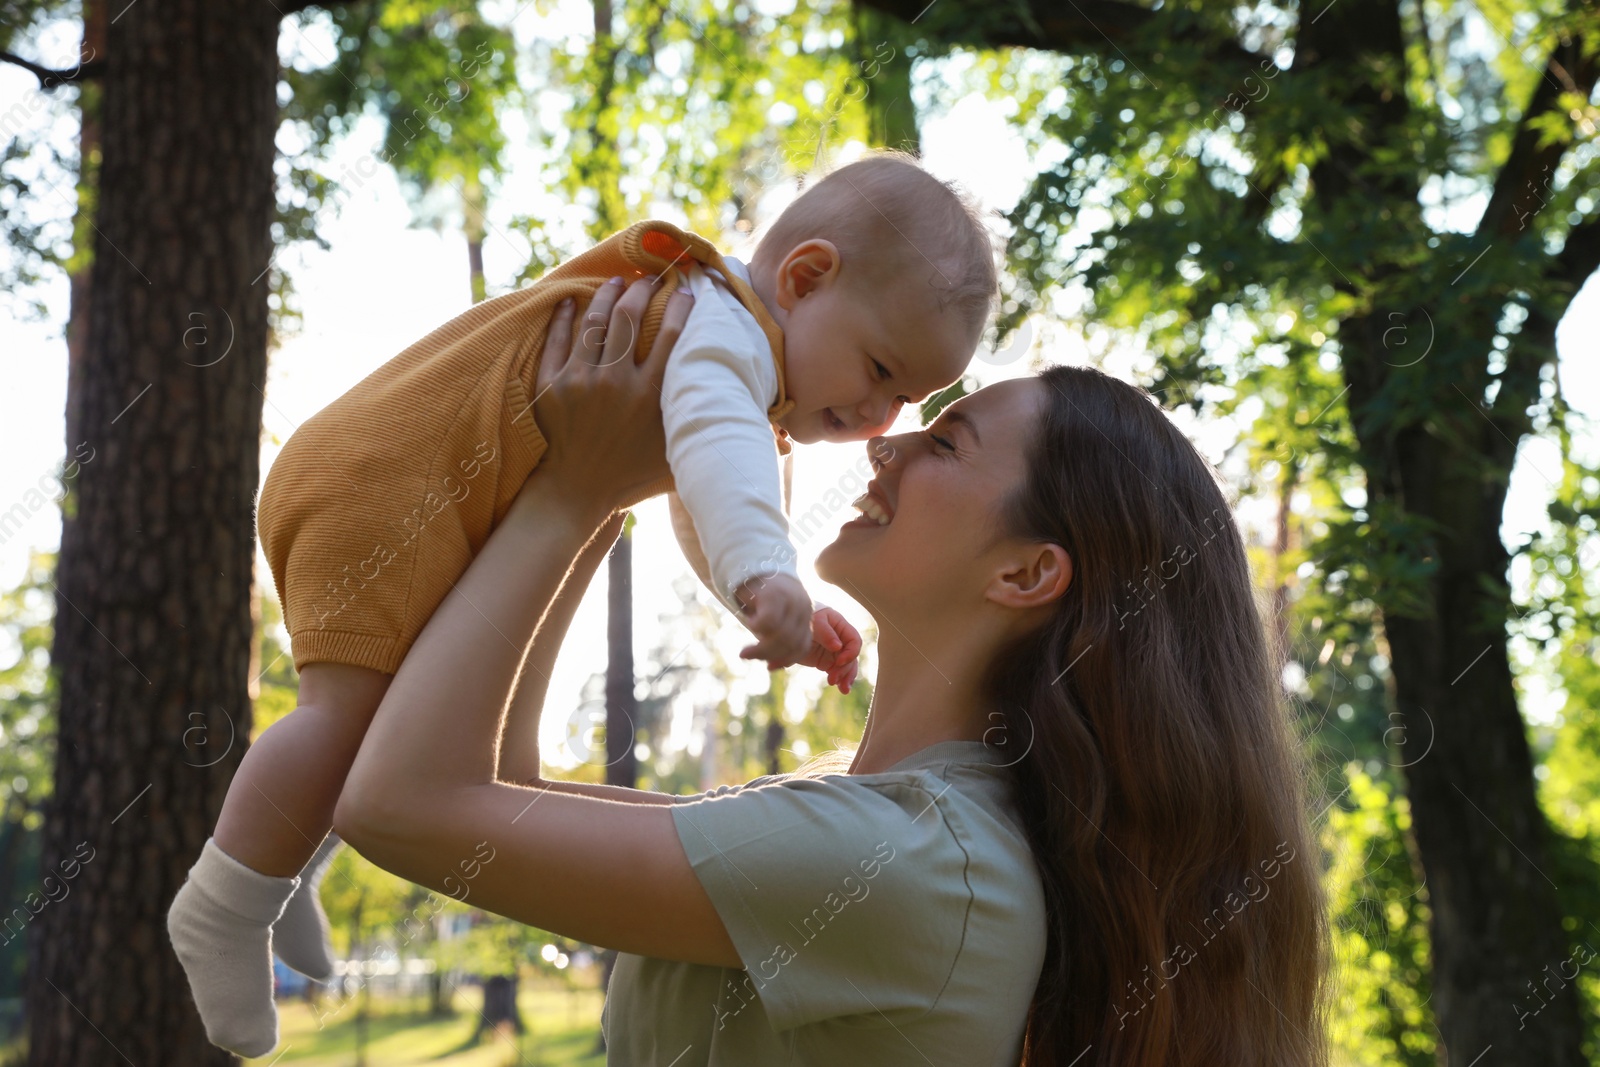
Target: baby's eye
{"x":883,"y":372}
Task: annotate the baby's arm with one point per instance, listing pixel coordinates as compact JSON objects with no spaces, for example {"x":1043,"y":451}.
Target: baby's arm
{"x":770,"y":613}
{"x":778,"y":611}
{"x":774,"y":606}
{"x":714,"y":397}
{"x":689,"y":540}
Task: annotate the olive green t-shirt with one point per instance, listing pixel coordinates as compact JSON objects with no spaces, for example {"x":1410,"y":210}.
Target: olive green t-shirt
{"x":883,"y":919}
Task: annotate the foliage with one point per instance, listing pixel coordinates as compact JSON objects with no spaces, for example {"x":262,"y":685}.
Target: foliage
{"x":689,"y":682}
{"x":27,"y":746}
{"x":35,"y":170}
{"x":1562,"y":617}
{"x":1380,"y":931}
{"x":1182,"y":202}
{"x":27,"y":693}
{"x":562,"y":1024}
{"x":698,"y":108}
{"x":439,"y":76}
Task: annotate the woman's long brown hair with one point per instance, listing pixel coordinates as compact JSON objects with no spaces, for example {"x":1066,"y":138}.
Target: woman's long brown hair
{"x":1162,"y":788}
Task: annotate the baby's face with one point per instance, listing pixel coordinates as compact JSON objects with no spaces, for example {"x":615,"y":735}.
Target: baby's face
{"x":853,"y":358}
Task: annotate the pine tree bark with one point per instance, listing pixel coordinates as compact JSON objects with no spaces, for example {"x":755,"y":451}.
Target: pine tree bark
{"x":95,"y":22}
{"x":622,"y":708}
{"x":153,"y":632}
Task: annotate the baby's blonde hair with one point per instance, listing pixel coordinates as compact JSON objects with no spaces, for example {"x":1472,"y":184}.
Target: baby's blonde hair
{"x":893,"y":221}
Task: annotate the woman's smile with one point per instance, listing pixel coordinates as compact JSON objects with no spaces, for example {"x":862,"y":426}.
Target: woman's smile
{"x":875,"y":511}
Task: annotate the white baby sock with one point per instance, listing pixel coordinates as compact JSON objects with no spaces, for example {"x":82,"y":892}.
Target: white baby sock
{"x":300,"y":938}
{"x":220,"y":924}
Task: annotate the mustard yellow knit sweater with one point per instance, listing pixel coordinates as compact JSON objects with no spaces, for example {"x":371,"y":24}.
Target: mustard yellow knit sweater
{"x":378,"y":503}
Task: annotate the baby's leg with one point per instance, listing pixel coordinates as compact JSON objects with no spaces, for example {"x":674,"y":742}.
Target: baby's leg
{"x":278,"y":810}
{"x":280,"y":805}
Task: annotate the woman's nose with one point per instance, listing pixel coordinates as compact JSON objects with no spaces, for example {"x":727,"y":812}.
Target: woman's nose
{"x":881,"y":452}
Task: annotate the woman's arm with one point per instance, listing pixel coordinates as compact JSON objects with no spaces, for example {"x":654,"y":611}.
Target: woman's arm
{"x":519,"y":743}
{"x":422,"y":799}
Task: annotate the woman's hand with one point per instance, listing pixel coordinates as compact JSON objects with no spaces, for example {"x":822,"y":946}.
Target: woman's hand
{"x":598,"y":408}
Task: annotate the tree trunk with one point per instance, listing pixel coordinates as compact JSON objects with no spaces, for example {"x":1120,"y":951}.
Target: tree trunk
{"x":474,"y":209}
{"x":152,"y":623}
{"x":89,"y":94}
{"x":884,"y":67}
{"x":1498,"y":944}
{"x":499,"y":1007}
{"x":1496,"y":922}
{"x":622,"y":768}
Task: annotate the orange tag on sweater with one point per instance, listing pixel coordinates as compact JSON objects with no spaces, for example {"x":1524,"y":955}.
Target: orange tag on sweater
{"x":660,"y":244}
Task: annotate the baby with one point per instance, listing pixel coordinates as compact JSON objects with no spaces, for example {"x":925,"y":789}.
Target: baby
{"x":869,"y":292}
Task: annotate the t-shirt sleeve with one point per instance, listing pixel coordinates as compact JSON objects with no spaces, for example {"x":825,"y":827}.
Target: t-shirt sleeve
{"x":719,"y":382}
{"x":843,"y":898}
{"x":724,"y":790}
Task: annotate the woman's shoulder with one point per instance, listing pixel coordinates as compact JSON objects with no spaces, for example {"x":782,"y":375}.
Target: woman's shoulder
{"x":953,"y":805}
{"x":922,"y":868}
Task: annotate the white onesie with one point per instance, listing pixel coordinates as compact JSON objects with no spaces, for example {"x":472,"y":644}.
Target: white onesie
{"x":727,"y":511}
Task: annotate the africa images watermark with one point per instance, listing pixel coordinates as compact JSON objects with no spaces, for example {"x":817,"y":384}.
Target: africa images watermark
{"x":853,"y":890}
{"x":804,"y":153}
{"x":66,"y":871}
{"x":50,"y":488}
{"x":406,"y":533}
{"x":1561,"y":978}
{"x":1232,"y":905}
{"x":1233,"y":104}
{"x":353,"y":177}
{"x":1140,"y":597}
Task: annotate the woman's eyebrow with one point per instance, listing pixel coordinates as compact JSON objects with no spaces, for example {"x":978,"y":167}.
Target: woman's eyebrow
{"x":962,"y":419}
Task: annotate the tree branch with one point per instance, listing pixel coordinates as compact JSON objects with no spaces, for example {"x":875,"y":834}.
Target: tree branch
{"x":1532,"y":161}
{"x":1082,"y":26}
{"x":1580,"y":256}
{"x":50,"y":79}
{"x":1535,"y":343}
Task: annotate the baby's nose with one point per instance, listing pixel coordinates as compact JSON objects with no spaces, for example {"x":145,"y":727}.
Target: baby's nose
{"x":880,"y":414}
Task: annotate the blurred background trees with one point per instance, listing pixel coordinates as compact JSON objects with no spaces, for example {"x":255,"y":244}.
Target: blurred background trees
{"x":1345,"y":233}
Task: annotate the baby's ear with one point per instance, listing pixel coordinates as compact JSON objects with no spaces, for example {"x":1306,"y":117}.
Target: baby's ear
{"x":809,"y":266}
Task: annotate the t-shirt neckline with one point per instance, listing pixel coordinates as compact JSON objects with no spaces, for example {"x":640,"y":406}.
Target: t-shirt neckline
{"x":975,"y":752}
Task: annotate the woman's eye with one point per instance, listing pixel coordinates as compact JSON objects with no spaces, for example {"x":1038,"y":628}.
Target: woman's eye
{"x":942,"y":441}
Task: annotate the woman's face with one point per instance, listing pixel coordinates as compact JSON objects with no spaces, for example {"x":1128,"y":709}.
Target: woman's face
{"x":941,"y":490}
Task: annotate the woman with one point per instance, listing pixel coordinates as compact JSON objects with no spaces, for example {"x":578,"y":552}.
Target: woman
{"x":1073,"y":832}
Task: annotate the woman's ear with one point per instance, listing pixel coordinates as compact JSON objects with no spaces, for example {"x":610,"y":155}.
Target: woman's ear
{"x":1038,"y":577}
{"x":808,"y":266}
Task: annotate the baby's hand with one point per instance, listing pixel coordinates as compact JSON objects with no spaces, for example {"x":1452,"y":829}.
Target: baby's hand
{"x":778,"y":611}
{"x":834,"y":648}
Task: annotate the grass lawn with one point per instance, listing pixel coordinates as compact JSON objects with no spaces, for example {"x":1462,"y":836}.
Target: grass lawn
{"x":563,"y":1031}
